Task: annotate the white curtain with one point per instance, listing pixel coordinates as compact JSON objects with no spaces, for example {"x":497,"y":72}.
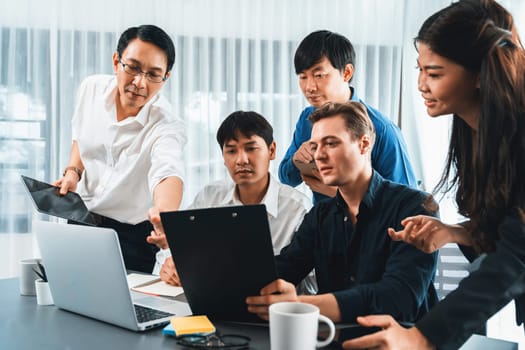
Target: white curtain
{"x":230,"y":55}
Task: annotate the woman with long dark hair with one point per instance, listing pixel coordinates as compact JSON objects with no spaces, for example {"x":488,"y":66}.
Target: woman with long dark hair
{"x":472,"y":65}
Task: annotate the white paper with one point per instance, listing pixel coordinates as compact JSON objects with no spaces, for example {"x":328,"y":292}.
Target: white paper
{"x":153,"y":285}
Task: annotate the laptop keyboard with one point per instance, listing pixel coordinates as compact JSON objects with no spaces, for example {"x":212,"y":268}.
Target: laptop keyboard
{"x":145,"y":314}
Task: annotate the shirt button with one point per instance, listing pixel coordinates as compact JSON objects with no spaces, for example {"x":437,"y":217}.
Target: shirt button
{"x":352,"y":279}
{"x":345,"y":219}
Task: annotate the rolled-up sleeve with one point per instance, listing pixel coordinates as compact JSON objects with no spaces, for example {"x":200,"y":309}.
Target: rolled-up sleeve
{"x":288,"y":173}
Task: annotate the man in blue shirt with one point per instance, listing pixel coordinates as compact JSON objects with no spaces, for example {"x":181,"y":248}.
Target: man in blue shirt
{"x":324,"y":63}
{"x":360,"y":270}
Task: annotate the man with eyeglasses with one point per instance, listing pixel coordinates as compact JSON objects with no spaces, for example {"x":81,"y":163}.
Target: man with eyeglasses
{"x":324,"y":63}
{"x":127,"y":145}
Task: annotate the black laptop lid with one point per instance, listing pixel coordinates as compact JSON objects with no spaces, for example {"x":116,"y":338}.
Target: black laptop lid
{"x":222,"y":256}
{"x":47,"y":200}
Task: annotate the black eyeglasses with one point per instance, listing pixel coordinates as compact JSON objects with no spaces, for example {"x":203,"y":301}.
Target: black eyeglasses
{"x":215,"y":341}
{"x":134,"y":70}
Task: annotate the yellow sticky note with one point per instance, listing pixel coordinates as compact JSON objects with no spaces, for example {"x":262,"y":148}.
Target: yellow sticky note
{"x":191,"y":325}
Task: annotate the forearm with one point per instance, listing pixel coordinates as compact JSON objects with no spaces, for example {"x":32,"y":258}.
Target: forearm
{"x":403,"y":290}
{"x":167,"y":195}
{"x":74,"y":157}
{"x":72,"y":171}
{"x":383,"y":297}
{"x":74,"y":166}
{"x":288,"y":172}
{"x":460,"y":235}
{"x":326,"y":303}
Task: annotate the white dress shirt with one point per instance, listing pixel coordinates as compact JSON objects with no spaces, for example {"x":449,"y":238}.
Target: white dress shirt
{"x":124,"y":161}
{"x":285,"y":206}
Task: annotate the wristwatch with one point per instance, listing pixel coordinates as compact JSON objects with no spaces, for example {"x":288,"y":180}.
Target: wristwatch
{"x":75,"y":169}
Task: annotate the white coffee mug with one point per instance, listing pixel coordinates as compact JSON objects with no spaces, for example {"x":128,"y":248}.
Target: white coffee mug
{"x":28,"y":276}
{"x":294,"y":326}
{"x":43,"y":293}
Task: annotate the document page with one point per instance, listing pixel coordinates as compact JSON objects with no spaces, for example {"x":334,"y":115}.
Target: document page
{"x":153,"y":285}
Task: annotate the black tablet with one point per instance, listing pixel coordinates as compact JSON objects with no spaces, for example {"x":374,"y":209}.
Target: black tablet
{"x":70,"y":206}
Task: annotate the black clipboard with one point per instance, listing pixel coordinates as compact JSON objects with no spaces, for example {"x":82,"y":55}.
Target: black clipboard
{"x":223,"y":255}
{"x":70,"y":206}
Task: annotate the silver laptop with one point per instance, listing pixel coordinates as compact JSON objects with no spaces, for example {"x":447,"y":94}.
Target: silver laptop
{"x":87,"y":276}
{"x":476,"y":342}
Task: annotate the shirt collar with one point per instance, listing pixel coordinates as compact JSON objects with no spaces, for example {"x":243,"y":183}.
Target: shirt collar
{"x":270,"y":199}
{"x":373,"y":189}
{"x":110,"y":93}
{"x":354,"y":96}
{"x":230,"y":196}
{"x":144,"y":112}
{"x":370,"y":195}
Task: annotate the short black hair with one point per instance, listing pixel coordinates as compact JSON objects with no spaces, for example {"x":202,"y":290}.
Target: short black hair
{"x":247,"y":124}
{"x":151,"y":34}
{"x":316,"y":45}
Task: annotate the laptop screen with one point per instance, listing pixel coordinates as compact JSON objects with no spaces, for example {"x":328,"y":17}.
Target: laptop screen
{"x":222,"y":256}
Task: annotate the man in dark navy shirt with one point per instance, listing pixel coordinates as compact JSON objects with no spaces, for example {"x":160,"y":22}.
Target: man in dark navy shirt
{"x":359,"y":269}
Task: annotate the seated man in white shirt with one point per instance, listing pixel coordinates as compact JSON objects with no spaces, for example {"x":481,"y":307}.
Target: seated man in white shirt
{"x":246,"y":141}
{"x":126,"y":154}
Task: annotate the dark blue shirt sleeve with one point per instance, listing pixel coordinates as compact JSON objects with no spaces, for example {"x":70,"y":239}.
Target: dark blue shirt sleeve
{"x":499,"y":279}
{"x":296,"y":260}
{"x":288,"y":173}
{"x":400,"y":292}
